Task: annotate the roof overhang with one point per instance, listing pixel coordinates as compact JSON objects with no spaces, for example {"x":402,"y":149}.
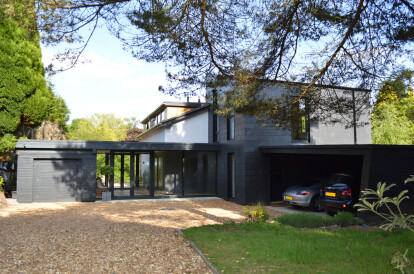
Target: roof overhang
{"x":104,"y":146}
{"x":330,"y":149}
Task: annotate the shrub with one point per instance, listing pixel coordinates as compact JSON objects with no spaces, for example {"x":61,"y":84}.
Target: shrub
{"x":303,"y":220}
{"x":256,"y":213}
{"x":346,"y":219}
{"x":375,"y":201}
{"x":1,"y":183}
{"x":106,"y":170}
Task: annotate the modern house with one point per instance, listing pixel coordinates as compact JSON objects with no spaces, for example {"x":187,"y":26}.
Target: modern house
{"x":188,"y":150}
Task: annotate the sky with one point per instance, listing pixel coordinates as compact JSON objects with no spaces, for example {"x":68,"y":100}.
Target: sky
{"x":112,"y":82}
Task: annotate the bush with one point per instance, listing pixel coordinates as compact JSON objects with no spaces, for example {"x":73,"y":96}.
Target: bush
{"x":106,"y":170}
{"x":346,"y":219}
{"x":256,"y":213}
{"x":376,"y":201}
{"x":1,"y":183}
{"x":303,"y":220}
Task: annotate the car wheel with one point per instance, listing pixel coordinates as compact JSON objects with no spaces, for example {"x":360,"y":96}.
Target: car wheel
{"x":315,"y":203}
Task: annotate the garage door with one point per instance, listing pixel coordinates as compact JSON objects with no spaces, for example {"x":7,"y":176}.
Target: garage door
{"x":56,"y":180}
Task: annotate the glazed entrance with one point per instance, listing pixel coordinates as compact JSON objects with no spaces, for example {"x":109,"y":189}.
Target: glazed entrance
{"x":159,"y":174}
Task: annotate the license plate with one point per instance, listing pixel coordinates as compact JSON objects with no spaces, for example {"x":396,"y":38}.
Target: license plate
{"x":288,"y":197}
{"x":330,"y":194}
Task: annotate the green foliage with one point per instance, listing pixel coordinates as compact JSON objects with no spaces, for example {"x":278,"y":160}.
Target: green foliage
{"x":400,"y":261}
{"x":346,"y":219}
{"x":1,"y":183}
{"x":25,"y":98}
{"x":392,"y":122}
{"x":303,"y":220}
{"x":388,"y":208}
{"x":396,"y":87}
{"x":106,"y":170}
{"x":21,"y":71}
{"x":256,"y":213}
{"x":103,"y":127}
{"x":7,"y":144}
{"x":99,"y":127}
{"x":392,"y":119}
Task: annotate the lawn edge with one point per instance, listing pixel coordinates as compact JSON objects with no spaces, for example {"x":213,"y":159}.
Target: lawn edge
{"x":198,"y":251}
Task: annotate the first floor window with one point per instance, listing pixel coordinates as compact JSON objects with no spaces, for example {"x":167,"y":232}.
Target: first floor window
{"x":230,"y":127}
{"x":300,"y":121}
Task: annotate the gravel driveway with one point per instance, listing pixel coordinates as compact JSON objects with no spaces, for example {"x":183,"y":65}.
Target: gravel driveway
{"x":107,"y":237}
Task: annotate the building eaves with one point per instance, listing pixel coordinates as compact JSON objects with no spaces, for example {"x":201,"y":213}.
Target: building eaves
{"x":171,"y":104}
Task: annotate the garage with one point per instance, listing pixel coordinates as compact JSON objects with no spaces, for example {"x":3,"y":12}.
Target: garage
{"x":288,"y":170}
{"x":56,"y":180}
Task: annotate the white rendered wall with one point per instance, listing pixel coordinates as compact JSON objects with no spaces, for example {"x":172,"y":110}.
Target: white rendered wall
{"x":193,"y":129}
{"x":157,"y":136}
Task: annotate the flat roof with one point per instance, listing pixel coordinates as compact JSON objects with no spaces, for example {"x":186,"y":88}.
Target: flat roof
{"x":331,"y":149}
{"x":23,"y":144}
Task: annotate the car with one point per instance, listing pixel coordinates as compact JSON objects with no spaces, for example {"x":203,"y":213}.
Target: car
{"x":339,"y":193}
{"x":304,"y":195}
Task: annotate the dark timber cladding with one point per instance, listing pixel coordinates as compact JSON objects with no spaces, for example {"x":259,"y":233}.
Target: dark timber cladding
{"x":57,"y":171}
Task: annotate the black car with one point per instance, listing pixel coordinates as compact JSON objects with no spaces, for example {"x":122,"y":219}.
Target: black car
{"x":339,"y":193}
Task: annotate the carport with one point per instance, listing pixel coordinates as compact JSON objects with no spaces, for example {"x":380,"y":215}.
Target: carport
{"x":61,"y":171}
{"x":368,"y":164}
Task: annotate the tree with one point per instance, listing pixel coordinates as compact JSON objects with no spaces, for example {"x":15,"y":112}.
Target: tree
{"x":391,"y":123}
{"x":26,"y":100}
{"x":133,"y":133}
{"x":21,"y":71}
{"x":99,"y":127}
{"x":102,"y":127}
{"x":393,"y":114}
{"x":245,"y":43}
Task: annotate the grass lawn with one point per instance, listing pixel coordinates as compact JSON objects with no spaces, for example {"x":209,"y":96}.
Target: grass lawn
{"x":268,"y":248}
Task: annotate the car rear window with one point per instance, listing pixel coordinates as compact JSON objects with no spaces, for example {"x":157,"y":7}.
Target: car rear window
{"x":340,"y":180}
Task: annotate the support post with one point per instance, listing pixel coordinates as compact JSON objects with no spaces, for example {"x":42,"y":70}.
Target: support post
{"x":182,"y":173}
{"x":106,"y":163}
{"x":137,"y":171}
{"x":122,"y":171}
{"x":111,"y":177}
{"x":354,"y":117}
{"x":152,"y":173}
{"x":131,"y":174}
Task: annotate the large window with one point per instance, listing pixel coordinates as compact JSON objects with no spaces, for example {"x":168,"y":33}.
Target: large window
{"x":230,"y":127}
{"x":300,"y":122}
{"x":216,"y":126}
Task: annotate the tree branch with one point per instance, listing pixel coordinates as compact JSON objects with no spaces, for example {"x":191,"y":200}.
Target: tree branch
{"x":327,"y":65}
{"x":205,"y":34}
